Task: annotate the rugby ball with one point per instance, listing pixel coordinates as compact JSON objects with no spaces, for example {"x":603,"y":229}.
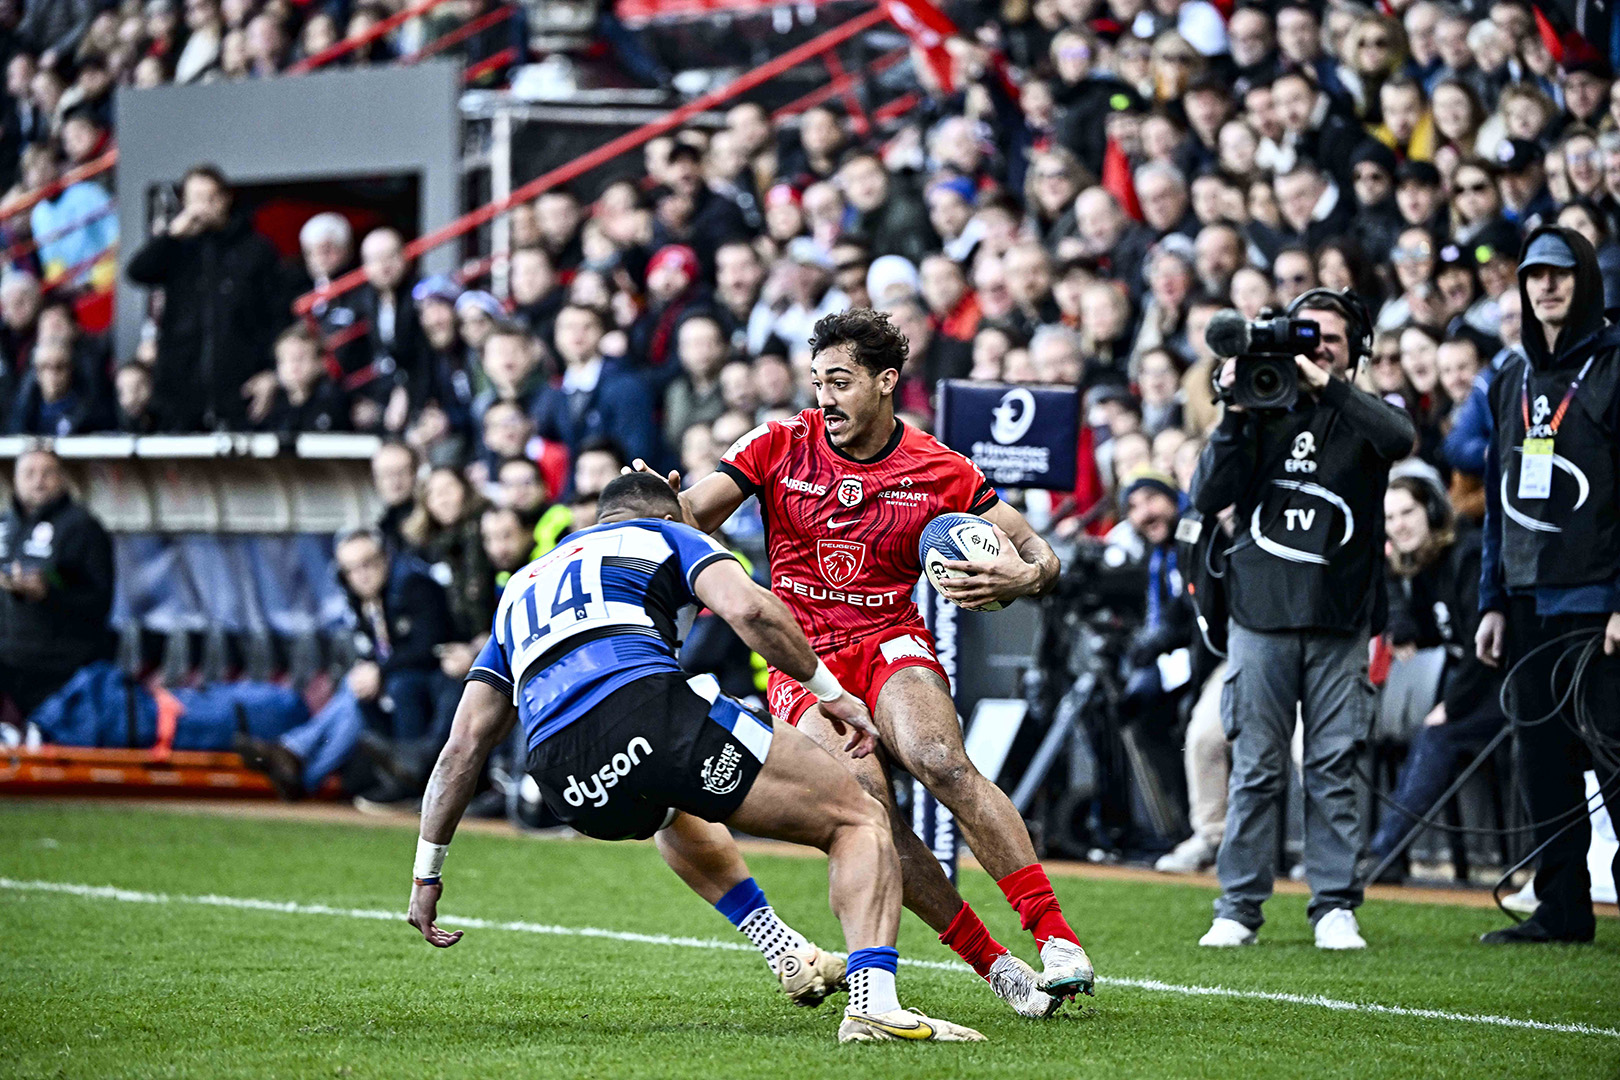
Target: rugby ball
{"x":960,"y":538}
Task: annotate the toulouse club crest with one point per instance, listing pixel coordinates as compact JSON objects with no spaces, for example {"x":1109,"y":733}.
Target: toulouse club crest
{"x":841,"y":560}
{"x":850,"y":491}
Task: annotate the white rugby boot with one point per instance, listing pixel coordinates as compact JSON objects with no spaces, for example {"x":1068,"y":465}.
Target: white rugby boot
{"x":902,"y":1025}
{"x":809,"y":975}
{"x":1066,"y":969}
{"x":1015,"y":983}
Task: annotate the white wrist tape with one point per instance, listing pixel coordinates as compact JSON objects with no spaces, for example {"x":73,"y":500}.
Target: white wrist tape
{"x":824,"y":684}
{"x":429,"y":859}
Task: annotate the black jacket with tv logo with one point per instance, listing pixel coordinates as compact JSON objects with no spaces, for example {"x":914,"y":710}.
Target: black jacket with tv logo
{"x":1308,"y":488}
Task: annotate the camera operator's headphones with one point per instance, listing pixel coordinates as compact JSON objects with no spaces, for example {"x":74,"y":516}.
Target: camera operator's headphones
{"x":1358,"y":320}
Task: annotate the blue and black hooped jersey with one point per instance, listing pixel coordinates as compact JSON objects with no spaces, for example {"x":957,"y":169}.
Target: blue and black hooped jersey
{"x":594,"y":614}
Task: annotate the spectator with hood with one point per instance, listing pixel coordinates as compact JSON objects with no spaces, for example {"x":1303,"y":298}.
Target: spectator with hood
{"x":674,"y":289}
{"x":1536,"y":582}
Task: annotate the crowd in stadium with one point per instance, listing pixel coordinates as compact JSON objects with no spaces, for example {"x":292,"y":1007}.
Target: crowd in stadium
{"x":1083,"y":187}
{"x":64,"y":60}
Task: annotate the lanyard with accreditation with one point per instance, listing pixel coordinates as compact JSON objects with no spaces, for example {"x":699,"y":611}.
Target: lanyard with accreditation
{"x":1535,"y":471}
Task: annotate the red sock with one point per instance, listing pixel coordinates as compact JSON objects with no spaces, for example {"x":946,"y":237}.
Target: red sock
{"x":968,"y":938}
{"x":1030,"y":894}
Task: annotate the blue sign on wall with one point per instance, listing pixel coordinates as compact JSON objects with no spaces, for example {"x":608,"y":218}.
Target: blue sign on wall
{"x":1021,"y":436}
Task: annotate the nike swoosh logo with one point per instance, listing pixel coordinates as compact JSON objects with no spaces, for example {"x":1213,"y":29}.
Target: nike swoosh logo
{"x":920,"y":1031}
{"x":834,"y":523}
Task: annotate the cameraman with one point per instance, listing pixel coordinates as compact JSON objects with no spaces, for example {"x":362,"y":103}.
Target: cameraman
{"x":1305,"y":592}
{"x":1551,"y":562}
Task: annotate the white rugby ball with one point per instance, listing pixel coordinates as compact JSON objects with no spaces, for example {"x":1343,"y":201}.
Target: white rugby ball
{"x":957,"y":538}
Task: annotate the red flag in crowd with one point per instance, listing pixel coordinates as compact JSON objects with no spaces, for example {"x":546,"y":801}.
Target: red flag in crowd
{"x":927,"y":27}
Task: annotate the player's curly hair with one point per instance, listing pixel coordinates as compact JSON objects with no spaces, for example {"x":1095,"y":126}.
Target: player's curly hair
{"x":874,"y":342}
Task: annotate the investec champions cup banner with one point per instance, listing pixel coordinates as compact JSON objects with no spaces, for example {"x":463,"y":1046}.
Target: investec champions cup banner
{"x":1021,"y":436}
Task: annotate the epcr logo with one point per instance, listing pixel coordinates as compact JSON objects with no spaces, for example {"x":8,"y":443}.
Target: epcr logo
{"x":1013,"y":416}
{"x":1543,"y":410}
{"x":1304,"y":447}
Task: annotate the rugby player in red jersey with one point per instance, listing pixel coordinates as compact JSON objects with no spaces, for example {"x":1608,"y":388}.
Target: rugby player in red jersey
{"x":846,"y":489}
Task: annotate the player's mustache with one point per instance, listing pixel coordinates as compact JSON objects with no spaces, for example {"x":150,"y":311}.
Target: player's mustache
{"x":834,"y":414}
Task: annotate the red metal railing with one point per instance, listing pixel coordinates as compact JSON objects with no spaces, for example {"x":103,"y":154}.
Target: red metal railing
{"x":349,"y":45}
{"x":34,"y":243}
{"x":505,"y":57}
{"x":636,"y":12}
{"x":461,"y":33}
{"x":509,"y":55}
{"x":810,"y":50}
{"x":70,"y":274}
{"x":87,"y":171}
{"x":838,"y":87}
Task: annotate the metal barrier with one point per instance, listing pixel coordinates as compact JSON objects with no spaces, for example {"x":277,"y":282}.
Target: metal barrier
{"x":348,"y":45}
{"x":817,"y":47}
{"x":314,"y":483}
{"x":455,"y":37}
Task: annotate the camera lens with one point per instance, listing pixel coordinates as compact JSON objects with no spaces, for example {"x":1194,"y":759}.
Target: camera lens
{"x":1266,"y":382}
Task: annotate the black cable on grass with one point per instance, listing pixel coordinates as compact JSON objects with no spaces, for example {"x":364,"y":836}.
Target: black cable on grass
{"x":1580,"y":647}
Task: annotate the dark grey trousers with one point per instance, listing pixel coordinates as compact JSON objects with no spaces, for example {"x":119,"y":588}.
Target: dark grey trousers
{"x":1269,"y":676}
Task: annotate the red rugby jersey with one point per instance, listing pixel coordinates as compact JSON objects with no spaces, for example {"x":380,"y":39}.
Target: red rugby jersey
{"x":842,"y":534}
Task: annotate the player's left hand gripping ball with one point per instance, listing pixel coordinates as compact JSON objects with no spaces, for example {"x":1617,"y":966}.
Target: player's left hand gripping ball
{"x":973,"y":563}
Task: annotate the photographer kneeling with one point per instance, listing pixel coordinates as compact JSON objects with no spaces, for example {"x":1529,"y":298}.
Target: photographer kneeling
{"x":1550,"y":582}
{"x":1305,"y":593}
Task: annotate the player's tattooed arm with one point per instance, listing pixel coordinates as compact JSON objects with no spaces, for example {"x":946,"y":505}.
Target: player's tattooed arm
{"x":706,"y":504}
{"x":1027,"y":566}
{"x":483,"y":719}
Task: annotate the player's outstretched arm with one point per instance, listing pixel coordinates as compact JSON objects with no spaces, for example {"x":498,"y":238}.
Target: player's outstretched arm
{"x":706,"y":504}
{"x":766,"y":626}
{"x":1027,"y":565}
{"x":482,"y":720}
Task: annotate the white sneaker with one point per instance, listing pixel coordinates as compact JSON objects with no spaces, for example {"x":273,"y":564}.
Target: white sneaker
{"x":809,"y":974}
{"x":1228,"y":934}
{"x":1190,"y":856}
{"x":1015,"y":983}
{"x":1524,"y":901}
{"x":902,"y":1025}
{"x":1065,"y":969}
{"x":1338,"y":930}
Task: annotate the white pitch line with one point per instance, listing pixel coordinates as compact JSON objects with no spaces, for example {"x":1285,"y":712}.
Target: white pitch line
{"x":131,"y":896}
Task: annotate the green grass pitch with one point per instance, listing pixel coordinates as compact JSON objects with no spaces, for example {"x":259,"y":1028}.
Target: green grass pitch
{"x":94,"y":985}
